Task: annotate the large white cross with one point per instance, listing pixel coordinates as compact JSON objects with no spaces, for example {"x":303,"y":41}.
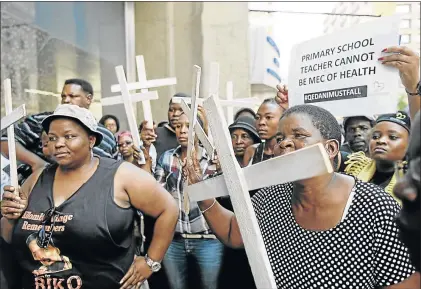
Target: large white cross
{"x":144,"y":96}
{"x":143,"y":84}
{"x":236,"y":182}
{"x":7,"y":121}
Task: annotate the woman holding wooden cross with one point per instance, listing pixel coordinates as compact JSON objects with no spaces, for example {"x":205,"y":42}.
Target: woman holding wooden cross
{"x":328,"y":231}
{"x":72,"y":223}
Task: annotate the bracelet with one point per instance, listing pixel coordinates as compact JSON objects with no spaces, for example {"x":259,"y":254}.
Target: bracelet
{"x":210,"y":207}
{"x":417,"y":91}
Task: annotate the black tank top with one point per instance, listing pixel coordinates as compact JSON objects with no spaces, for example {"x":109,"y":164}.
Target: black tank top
{"x":92,"y":236}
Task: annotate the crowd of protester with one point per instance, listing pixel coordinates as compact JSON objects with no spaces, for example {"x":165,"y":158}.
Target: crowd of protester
{"x":89,"y":215}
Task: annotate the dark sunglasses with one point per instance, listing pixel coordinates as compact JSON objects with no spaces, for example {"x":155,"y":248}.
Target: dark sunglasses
{"x":127,"y":143}
{"x":44,"y":237}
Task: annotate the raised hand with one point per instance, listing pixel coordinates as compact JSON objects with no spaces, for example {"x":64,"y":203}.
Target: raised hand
{"x":408,"y":64}
{"x":148,"y":159}
{"x":147,"y":134}
{"x":202,"y":115}
{"x":191,"y":168}
{"x":282,"y":96}
{"x":12,"y":205}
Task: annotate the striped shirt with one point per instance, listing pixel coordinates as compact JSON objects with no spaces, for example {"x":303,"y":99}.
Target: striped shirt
{"x":169,"y":174}
{"x":28,"y":134}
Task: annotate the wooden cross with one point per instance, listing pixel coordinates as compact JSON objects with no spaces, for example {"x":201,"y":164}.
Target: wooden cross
{"x":197,"y":128}
{"x":143,"y":84}
{"x":230,"y":103}
{"x":236,"y":182}
{"x":192,"y":115}
{"x":144,"y":96}
{"x":7,"y":121}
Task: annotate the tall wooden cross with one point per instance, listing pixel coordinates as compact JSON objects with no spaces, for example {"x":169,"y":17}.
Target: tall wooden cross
{"x":7,"y":121}
{"x":144,"y":96}
{"x":236,"y":182}
{"x":230,"y":102}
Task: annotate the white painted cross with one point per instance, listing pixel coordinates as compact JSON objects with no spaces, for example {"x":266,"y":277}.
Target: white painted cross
{"x":230,"y":103}
{"x":237,"y":182}
{"x":143,"y":84}
{"x":192,"y":115}
{"x":144,"y":96}
{"x":197,"y":128}
{"x":7,"y":121}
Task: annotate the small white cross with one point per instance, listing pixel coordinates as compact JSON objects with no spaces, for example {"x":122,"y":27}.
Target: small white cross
{"x":7,"y":121}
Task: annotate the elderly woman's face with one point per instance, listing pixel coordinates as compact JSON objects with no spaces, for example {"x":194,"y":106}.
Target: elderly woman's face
{"x":295,"y":132}
{"x":68,"y":142}
{"x":388,"y":141}
{"x":240,"y":140}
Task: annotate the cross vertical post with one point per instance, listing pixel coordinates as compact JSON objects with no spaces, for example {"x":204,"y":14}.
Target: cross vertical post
{"x":128,"y":107}
{"x":11,"y":132}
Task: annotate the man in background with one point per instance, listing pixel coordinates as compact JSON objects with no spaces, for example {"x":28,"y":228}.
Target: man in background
{"x":28,"y":133}
{"x":356,"y":130}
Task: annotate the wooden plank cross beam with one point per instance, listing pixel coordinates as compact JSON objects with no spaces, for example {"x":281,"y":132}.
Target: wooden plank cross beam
{"x":144,"y":96}
{"x":237,"y":182}
{"x":230,"y":102}
{"x":197,"y":128}
{"x":11,"y":117}
{"x":128,"y":107}
{"x":143,"y":84}
{"x":192,"y":121}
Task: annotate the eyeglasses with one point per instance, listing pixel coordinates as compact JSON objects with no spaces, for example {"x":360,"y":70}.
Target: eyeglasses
{"x":126,"y":143}
{"x":44,"y":237}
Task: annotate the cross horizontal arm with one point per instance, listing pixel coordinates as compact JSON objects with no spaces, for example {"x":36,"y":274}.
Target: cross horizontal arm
{"x":299,"y":165}
{"x":244,"y":102}
{"x":137,"y":97}
{"x":17,"y":114}
{"x":146,"y":85}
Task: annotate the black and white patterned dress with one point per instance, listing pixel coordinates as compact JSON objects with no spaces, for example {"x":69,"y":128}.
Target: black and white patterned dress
{"x":362,"y":251}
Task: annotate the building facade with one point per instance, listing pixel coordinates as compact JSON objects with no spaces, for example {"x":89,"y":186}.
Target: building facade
{"x":45,"y":43}
{"x":409,"y":11}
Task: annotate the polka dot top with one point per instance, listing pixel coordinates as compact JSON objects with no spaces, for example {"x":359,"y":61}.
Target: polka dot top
{"x":362,"y":251}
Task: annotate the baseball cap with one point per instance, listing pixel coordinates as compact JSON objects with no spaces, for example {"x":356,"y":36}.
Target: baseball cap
{"x":400,"y":117}
{"x":80,"y":114}
{"x":246,"y":123}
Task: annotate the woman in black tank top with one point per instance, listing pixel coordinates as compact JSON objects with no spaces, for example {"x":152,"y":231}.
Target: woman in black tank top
{"x":267,"y":119}
{"x":77,"y":228}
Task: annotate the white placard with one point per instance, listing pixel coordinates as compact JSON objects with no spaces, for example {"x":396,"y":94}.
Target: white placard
{"x":341,"y":71}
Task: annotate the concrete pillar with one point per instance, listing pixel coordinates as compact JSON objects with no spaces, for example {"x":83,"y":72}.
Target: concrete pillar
{"x":174,"y":36}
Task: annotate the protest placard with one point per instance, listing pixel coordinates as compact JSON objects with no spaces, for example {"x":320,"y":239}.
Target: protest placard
{"x":341,"y":71}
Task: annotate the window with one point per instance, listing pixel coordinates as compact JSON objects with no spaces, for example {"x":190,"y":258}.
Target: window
{"x":405,"y":23}
{"x":44,"y":53}
{"x":403,"y":8}
{"x":405,"y":38}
